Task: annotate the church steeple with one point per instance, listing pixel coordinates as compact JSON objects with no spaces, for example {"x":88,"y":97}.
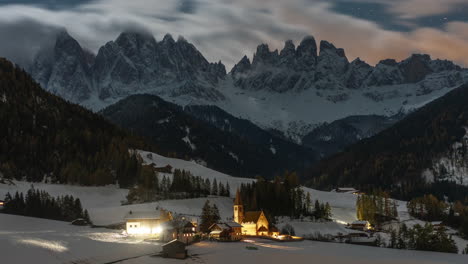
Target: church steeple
{"x":238,"y":209}
{"x":238,"y":200}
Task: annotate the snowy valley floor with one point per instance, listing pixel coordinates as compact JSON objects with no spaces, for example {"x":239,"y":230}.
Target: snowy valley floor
{"x":26,"y":240}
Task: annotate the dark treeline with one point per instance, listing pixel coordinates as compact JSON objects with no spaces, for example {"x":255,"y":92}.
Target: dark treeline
{"x":429,"y":208}
{"x":44,"y":135}
{"x":422,"y":238}
{"x":281,"y":197}
{"x":152,"y":187}
{"x":40,"y":204}
{"x":376,"y":208}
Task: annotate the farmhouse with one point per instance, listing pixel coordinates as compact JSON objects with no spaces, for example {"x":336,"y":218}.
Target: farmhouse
{"x":230,"y":231}
{"x":254,"y":223}
{"x":149,"y":223}
{"x":361,"y":225}
{"x":437,"y":225}
{"x":188,"y":233}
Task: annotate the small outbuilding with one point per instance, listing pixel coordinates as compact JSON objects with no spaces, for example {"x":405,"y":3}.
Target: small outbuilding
{"x":347,"y":190}
{"x":174,"y":249}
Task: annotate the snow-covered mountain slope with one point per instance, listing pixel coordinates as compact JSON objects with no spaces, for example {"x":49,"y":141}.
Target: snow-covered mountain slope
{"x":452,"y":165}
{"x":292,"y":91}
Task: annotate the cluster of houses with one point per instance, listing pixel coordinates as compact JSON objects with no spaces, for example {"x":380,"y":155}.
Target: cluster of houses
{"x":162,"y":226}
{"x":250,"y":223}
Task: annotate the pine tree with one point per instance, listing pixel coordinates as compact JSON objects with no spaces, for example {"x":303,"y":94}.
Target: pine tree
{"x":214,"y":189}
{"x":393,"y":239}
{"x":228,"y":190}
{"x":206,"y":218}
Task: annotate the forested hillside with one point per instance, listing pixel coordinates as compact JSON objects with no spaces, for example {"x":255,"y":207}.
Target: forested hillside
{"x":181,"y":135}
{"x":395,"y":159}
{"x":44,"y":136}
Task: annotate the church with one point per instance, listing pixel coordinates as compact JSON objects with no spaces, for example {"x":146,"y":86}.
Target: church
{"x":254,"y":223}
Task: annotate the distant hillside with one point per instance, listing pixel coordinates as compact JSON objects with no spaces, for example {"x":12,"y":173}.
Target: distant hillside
{"x":238,"y":147}
{"x":44,"y":136}
{"x":425,"y":152}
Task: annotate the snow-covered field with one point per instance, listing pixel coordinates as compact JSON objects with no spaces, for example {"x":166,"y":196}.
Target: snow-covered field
{"x":26,"y":240}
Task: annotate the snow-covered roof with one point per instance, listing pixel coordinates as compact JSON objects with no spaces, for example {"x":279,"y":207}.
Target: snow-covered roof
{"x":360,"y":222}
{"x":143,"y":215}
{"x":233,"y":224}
{"x":436,"y":223}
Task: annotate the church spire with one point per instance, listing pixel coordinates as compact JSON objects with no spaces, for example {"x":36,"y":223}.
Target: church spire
{"x":238,"y":200}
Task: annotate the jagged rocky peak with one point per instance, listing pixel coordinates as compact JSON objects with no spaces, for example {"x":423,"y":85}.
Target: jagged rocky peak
{"x":64,"y":69}
{"x":168,"y":39}
{"x":307,"y":48}
{"x":358,"y":71}
{"x":264,"y":55}
{"x":66,"y":45}
{"x":388,"y":62}
{"x":243,"y":66}
{"x":331,"y":61}
{"x":328,"y":48}
{"x":289,"y":49}
{"x":416,"y":68}
{"x":307,"y":53}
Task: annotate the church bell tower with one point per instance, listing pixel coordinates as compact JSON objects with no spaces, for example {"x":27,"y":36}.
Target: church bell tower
{"x":238,"y":209}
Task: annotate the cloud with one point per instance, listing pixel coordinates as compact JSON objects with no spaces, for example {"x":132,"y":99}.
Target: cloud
{"x":410,"y":9}
{"x":228,"y":29}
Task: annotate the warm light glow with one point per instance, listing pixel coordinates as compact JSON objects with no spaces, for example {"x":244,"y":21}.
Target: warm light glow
{"x":136,"y":229}
{"x":1,"y":203}
{"x":56,"y":246}
{"x":157,"y":230}
{"x":341,"y":222}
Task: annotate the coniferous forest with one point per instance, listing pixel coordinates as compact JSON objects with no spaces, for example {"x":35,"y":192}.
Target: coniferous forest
{"x":41,"y":204}
{"x":183,"y":185}
{"x":376,"y":208}
{"x":43,"y":136}
{"x":282,"y":197}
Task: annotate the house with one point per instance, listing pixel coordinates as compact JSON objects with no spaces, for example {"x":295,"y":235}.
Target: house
{"x":188,"y":233}
{"x":347,"y":190}
{"x":149,"y":223}
{"x":2,"y":204}
{"x":230,"y":231}
{"x":254,"y":223}
{"x":274,"y":232}
{"x":361,"y":225}
{"x":438,"y":226}
{"x":174,"y":249}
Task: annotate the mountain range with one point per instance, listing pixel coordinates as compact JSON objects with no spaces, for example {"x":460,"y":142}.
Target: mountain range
{"x":279,"y":91}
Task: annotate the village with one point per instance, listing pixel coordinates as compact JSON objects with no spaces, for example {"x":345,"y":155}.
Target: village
{"x":181,"y":231}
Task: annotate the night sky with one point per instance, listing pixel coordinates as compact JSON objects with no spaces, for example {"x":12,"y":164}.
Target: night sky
{"x":227,"y":29}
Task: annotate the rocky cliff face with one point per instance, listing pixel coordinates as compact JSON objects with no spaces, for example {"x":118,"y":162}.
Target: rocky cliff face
{"x":133,"y":63}
{"x":64,"y":69}
{"x":298,"y":69}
